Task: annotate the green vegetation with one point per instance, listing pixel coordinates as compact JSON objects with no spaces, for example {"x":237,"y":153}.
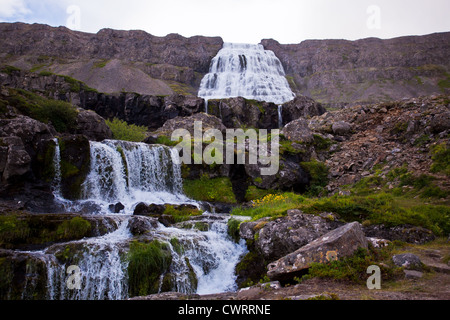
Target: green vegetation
{"x":318,"y":172}
{"x":9,"y":70}
{"x":127,"y":132}
{"x":182,"y":213}
{"x":17,"y":229}
{"x":272,"y":205}
{"x":60,"y":114}
{"x":100,"y":64}
{"x":213,"y":190}
{"x":147,"y":261}
{"x":354,"y":268}
{"x":441,"y":159}
{"x":76,"y":228}
{"x":165,"y":140}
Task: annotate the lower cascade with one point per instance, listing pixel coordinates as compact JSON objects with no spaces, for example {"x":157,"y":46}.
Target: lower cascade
{"x":202,"y":260}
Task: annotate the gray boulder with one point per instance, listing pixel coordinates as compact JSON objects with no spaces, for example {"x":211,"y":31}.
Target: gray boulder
{"x":407,"y":260}
{"x":92,"y":126}
{"x":287,"y":234}
{"x":341,"y":128}
{"x":298,"y":131}
{"x":339,"y":243}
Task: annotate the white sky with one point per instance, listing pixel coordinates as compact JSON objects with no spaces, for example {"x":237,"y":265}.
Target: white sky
{"x":249,"y":21}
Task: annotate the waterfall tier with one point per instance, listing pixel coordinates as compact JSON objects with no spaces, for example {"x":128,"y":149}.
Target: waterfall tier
{"x":249,"y":71}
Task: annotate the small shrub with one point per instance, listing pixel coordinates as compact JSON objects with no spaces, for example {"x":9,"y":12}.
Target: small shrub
{"x":127,"y":132}
{"x":441,"y":159}
{"x":212,"y":190}
{"x":318,"y":172}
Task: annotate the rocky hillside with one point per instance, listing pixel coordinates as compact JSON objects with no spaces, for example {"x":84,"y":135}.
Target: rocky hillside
{"x":340,"y":72}
{"x":111,"y":61}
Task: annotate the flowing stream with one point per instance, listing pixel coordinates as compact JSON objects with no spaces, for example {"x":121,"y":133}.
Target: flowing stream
{"x":131,"y":173}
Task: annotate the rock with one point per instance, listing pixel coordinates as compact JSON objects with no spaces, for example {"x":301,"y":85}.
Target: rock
{"x":14,"y":159}
{"x":301,"y":107}
{"x":290,"y":176}
{"x":298,"y":131}
{"x":208,"y":122}
{"x":408,"y":261}
{"x":143,"y":209}
{"x":92,"y":126}
{"x":440,"y":122}
{"x":139,"y":225}
{"x":287,"y":234}
{"x":239,"y":112}
{"x":116,"y":208}
{"x":336,"y":244}
{"x":412,"y":274}
{"x":405,"y":233}
{"x":341,"y":128}
{"x":75,"y":164}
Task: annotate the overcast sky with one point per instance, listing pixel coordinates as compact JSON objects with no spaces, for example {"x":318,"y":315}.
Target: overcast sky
{"x":248,"y":21}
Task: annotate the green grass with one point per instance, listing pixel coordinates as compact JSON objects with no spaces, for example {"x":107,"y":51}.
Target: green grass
{"x":318,"y":172}
{"x":182,"y":213}
{"x":272,"y":205}
{"x":127,"y":132}
{"x":147,"y":261}
{"x":211,"y":190}
{"x":60,"y":114}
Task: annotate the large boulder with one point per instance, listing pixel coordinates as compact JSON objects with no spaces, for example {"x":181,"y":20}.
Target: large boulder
{"x":339,"y":243}
{"x":243,"y":113}
{"x":92,"y":126}
{"x":286,"y":234}
{"x":298,"y":131}
{"x":301,"y":107}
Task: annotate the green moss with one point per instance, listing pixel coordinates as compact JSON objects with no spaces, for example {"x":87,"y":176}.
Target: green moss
{"x":147,"y":262}
{"x":233,"y":229}
{"x":101,"y":64}
{"x":75,"y":228}
{"x":13,"y":230}
{"x":212,"y":190}
{"x":318,"y":172}
{"x":182,"y":213}
{"x":164,"y":140}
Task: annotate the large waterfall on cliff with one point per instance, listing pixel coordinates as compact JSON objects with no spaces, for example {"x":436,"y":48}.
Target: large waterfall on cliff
{"x":132,"y":173}
{"x":249,"y":71}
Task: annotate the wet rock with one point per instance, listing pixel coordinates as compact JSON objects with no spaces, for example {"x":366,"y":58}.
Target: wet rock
{"x":116,"y":208}
{"x":139,"y":225}
{"x":336,"y":244}
{"x":143,"y":209}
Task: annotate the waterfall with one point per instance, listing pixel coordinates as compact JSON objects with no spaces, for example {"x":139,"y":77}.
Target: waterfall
{"x":57,"y":168}
{"x":202,"y":262}
{"x":249,"y":71}
{"x":131,"y":173}
{"x":280,"y":116}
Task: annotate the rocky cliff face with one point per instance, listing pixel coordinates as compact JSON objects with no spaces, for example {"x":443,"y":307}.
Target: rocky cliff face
{"x":111,"y":60}
{"x":340,"y":72}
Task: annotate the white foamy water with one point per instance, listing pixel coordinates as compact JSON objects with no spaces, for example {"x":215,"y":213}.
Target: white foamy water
{"x":249,"y":71}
